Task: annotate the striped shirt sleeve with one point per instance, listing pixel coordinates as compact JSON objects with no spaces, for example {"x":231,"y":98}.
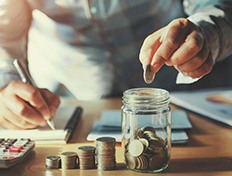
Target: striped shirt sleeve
{"x":15,"y":16}
{"x":215,"y":18}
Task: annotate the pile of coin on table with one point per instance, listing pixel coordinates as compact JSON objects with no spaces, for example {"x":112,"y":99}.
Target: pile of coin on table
{"x":84,"y":158}
{"x":146,"y":151}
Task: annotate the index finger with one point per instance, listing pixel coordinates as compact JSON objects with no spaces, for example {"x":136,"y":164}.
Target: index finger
{"x":52,"y":100}
{"x":33,"y":96}
{"x":149,"y":47}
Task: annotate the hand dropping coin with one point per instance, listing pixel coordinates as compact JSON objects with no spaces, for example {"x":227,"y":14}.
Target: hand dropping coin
{"x":148,"y":75}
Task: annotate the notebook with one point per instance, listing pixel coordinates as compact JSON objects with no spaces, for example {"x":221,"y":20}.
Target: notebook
{"x":110,"y":125}
{"x":212,"y":103}
{"x":65,"y":122}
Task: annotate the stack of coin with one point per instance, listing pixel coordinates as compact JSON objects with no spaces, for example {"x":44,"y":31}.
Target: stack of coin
{"x":53,"y":162}
{"x":147,"y":151}
{"x":68,"y":160}
{"x":105,"y":147}
{"x":86,"y":156}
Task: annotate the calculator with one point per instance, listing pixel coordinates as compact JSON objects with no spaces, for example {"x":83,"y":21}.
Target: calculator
{"x":12,"y":151}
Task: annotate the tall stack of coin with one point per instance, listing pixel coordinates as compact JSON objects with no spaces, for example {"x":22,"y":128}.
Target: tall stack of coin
{"x":86,"y":157}
{"x":68,"y":160}
{"x":147,"y":151}
{"x":105,"y":150}
{"x":53,"y":162}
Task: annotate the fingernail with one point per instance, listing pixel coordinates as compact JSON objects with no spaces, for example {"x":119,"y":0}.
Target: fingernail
{"x":47,"y":117}
{"x":155,"y":68}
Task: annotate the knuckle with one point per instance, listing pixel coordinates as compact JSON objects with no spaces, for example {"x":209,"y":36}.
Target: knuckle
{"x":45,"y":89}
{"x":172,"y":42}
{"x":195,"y":44}
{"x":22,"y":111}
{"x":34,"y":94}
{"x":180,"y":22}
{"x":195,"y":74}
{"x":197,"y":61}
{"x":176,"y":60}
{"x":204,"y":54}
{"x":22,"y":123}
{"x":208,"y":66}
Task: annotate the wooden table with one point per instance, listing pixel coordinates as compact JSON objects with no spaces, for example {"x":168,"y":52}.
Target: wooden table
{"x":208,"y":152}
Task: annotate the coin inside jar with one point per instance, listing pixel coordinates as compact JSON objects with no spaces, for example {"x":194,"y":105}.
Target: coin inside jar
{"x":136,"y":147}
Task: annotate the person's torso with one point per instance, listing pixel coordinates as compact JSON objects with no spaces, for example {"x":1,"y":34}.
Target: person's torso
{"x":103,"y":33}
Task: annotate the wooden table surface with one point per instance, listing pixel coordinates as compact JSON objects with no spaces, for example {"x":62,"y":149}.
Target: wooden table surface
{"x":208,"y":151}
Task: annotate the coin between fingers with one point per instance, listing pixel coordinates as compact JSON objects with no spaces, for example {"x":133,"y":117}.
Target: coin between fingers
{"x":148,"y":75}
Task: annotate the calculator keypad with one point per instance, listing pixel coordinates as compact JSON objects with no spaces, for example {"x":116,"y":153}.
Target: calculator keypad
{"x":13,"y":151}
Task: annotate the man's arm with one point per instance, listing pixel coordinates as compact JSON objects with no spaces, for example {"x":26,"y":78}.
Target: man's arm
{"x":192,"y":45}
{"x":22,"y":105}
{"x":15,"y":19}
{"x":215,"y":19}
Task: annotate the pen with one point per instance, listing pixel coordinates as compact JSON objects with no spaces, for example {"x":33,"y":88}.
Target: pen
{"x":25,"y":77}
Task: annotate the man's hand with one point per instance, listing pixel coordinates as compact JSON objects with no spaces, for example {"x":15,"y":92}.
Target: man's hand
{"x":23,"y":106}
{"x":180,"y":44}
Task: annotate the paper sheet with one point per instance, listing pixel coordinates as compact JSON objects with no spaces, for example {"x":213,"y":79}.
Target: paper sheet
{"x":45,"y":134}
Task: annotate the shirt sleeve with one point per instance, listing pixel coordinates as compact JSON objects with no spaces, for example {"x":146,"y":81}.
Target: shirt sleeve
{"x":15,"y":19}
{"x":215,"y":19}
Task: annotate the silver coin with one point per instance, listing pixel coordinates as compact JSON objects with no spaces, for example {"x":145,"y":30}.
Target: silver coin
{"x":86,"y":157}
{"x":105,"y":153}
{"x":53,"y":162}
{"x":148,"y":75}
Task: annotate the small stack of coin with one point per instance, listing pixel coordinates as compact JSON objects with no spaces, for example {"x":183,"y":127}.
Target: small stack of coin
{"x":53,"y":162}
{"x":105,"y":147}
{"x":86,"y":157}
{"x":147,"y":151}
{"x":68,"y":160}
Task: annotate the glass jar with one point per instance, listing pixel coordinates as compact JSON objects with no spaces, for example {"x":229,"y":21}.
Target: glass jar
{"x":146,"y":128}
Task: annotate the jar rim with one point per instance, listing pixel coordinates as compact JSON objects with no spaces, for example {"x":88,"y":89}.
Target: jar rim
{"x":152,"y":95}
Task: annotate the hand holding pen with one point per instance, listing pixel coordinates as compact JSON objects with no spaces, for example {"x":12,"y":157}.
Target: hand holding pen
{"x":24,"y":106}
{"x":42,"y":106}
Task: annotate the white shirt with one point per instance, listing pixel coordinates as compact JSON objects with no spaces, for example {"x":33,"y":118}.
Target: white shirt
{"x":92,"y":46}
